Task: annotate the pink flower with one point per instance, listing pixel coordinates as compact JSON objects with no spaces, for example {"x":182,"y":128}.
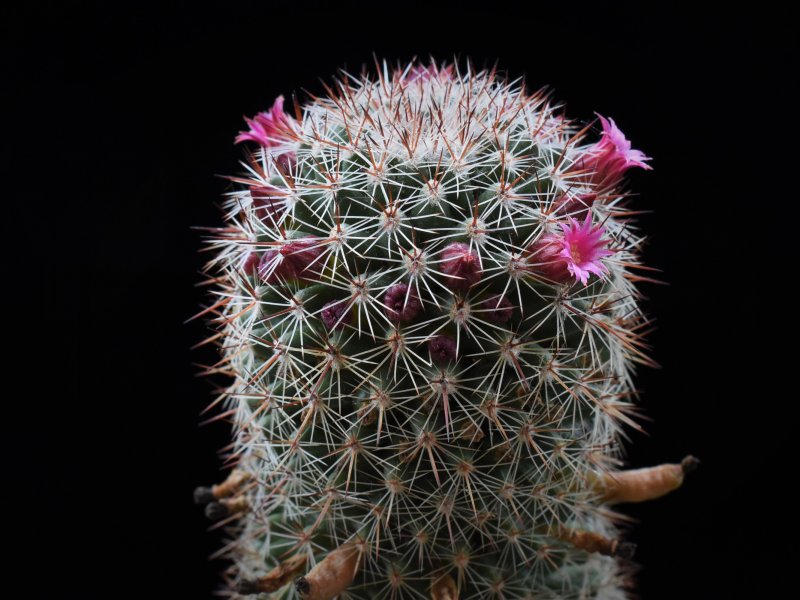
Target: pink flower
{"x":610,"y":157}
{"x":462,"y":265}
{"x":576,"y":252}
{"x":270,"y":128}
{"x":420,"y":73}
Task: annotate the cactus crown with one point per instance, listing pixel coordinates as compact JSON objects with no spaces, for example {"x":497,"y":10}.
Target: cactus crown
{"x":426,"y":298}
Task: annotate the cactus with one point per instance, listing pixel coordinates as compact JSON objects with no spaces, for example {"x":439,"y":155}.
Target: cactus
{"x":425,"y":297}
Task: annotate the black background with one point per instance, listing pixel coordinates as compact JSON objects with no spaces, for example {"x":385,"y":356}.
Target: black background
{"x":122,"y":117}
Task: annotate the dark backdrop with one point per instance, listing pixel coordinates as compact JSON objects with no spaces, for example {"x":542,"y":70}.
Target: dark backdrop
{"x":122,"y":117}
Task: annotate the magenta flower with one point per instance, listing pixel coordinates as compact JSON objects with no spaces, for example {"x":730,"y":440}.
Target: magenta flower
{"x":462,"y":265}
{"x":610,"y":157}
{"x":420,"y":73}
{"x":583,"y":247}
{"x":270,"y":128}
{"x":576,"y":252}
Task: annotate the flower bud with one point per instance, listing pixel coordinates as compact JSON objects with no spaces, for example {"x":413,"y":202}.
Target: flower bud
{"x":267,"y":203}
{"x":295,"y":259}
{"x":611,"y":156}
{"x":442,"y":349}
{"x":461,"y":265}
{"x":332,"y":315}
{"x":401,"y":303}
{"x":497,"y":309}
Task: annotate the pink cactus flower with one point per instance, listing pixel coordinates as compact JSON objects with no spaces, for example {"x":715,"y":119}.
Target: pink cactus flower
{"x":461,"y":264}
{"x":270,"y":128}
{"x":612,"y":156}
{"x":420,"y":73}
{"x":576,"y":252}
{"x":401,"y":304}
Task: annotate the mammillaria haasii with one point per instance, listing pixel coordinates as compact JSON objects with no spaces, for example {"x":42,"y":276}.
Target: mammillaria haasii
{"x":430,"y":318}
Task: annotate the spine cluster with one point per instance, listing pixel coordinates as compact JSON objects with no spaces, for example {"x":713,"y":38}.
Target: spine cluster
{"x":425,"y":300}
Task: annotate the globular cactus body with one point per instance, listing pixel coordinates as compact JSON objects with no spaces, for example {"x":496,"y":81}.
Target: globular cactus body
{"x":426,"y":300}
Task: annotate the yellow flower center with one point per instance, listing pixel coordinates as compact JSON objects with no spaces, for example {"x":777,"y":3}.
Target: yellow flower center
{"x":575,"y":252}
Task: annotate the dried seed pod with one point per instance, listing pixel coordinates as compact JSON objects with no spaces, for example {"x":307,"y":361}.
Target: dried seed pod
{"x":640,"y":485}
